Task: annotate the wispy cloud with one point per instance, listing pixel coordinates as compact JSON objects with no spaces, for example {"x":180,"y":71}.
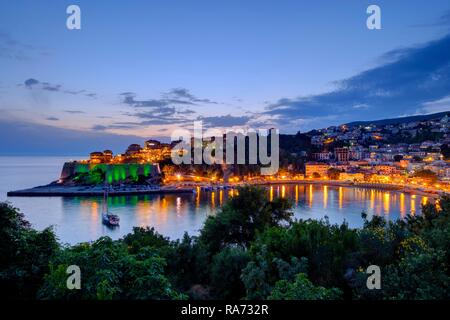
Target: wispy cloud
{"x":408,"y":79}
{"x":74,"y":111}
{"x":183,"y":95}
{"x":225,"y":121}
{"x":34,"y":84}
{"x":435,"y":106}
{"x":174,"y":97}
{"x":100,"y":127}
{"x":173,"y":107}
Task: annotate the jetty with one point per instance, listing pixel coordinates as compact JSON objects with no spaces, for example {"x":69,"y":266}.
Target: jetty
{"x":55,"y":190}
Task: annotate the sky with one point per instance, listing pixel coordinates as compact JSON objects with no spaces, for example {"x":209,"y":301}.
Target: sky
{"x":139,"y":69}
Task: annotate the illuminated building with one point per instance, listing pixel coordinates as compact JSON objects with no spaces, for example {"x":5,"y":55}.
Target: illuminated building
{"x":136,"y":162}
{"x":153,"y":152}
{"x":107,"y":156}
{"x":96,"y":157}
{"x":386,"y":169}
{"x":351,"y":176}
{"x":342,"y":154}
{"x":322,"y":156}
{"x":133,"y":149}
{"x":318,"y":168}
{"x":152,"y":144}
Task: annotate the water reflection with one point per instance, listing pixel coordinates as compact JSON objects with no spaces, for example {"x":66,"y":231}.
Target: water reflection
{"x":79,"y":219}
{"x":402,"y":205}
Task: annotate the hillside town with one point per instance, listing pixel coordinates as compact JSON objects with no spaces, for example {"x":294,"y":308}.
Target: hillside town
{"x":381,"y":152}
{"x":403,"y":151}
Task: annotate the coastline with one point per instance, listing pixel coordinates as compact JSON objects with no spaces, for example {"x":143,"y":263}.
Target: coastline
{"x":53,"y":190}
{"x":376,"y":186}
{"x":85,"y":191}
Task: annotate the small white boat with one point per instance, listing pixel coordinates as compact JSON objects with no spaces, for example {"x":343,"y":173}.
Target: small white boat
{"x":107,"y":217}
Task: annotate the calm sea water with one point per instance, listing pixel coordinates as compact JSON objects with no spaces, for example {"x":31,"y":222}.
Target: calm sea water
{"x":78,"y":219}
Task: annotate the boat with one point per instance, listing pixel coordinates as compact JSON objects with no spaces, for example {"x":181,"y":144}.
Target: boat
{"x":108,"y":218}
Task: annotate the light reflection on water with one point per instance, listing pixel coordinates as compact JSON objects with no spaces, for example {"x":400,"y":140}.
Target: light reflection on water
{"x":78,"y":219}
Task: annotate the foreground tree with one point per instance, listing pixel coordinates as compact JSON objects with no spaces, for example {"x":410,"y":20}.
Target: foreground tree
{"x":109,"y":271}
{"x":251,"y":249}
{"x":24,"y":254}
{"x":302,"y":289}
{"x":242,"y":217}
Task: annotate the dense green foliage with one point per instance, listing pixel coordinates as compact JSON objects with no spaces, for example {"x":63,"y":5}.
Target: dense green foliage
{"x":252,"y":249}
{"x":91,"y":177}
{"x":24,"y":254}
{"x":333,"y":173}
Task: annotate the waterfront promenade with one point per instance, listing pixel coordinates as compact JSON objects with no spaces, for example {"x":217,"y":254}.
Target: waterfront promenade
{"x":55,"y":189}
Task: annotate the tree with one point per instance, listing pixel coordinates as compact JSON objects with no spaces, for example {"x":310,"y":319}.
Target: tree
{"x":24,"y":254}
{"x":245,"y":214}
{"x":333,"y":173}
{"x":92,"y":177}
{"x":226,"y":270}
{"x":421,"y":274}
{"x":109,"y":271}
{"x":168,"y":170}
{"x":250,"y":250}
{"x":188,"y":266}
{"x":426,"y":174}
{"x":302,"y":289}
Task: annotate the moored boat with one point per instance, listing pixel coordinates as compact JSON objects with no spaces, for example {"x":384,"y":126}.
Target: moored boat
{"x":107,"y":217}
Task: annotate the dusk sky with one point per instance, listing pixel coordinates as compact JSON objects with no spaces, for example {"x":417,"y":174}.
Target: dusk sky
{"x":139,"y":69}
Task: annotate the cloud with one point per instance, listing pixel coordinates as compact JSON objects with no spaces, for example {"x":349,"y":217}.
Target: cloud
{"x":224,"y":121}
{"x":174,"y":97}
{"x":160,"y":112}
{"x":408,"y":79}
{"x":169,"y":109}
{"x":32,"y":83}
{"x":74,"y":92}
{"x":164,"y":115}
{"x":150,"y":103}
{"x":50,"y":87}
{"x":360,"y":106}
{"x":186,"y":111}
{"x":182,"y":94}
{"x":29,"y":83}
{"x":52,"y":119}
{"x":74,"y":111}
{"x":100,"y":127}
{"x":91,"y":95}
{"x":436,"y":106}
